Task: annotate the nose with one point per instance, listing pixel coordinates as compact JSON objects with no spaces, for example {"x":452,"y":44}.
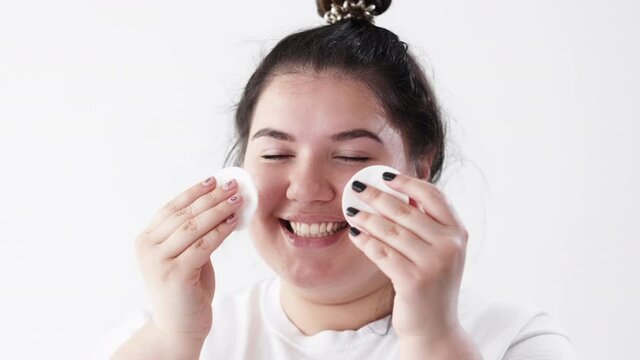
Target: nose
{"x":309,"y":183}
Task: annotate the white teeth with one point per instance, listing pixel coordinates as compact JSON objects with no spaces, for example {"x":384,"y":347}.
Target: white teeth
{"x":316,"y":229}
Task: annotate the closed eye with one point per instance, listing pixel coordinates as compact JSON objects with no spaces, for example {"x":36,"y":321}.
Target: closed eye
{"x":344,"y":158}
{"x":275,"y":157}
{"x":353,"y":159}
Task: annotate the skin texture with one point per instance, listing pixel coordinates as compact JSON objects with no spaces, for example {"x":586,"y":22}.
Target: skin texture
{"x":310,"y":181}
{"x":174,"y":256}
{"x":341,"y":286}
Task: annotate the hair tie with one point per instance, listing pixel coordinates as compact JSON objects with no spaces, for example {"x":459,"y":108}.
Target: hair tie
{"x":348,"y":10}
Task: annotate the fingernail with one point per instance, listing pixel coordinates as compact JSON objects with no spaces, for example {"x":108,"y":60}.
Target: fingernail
{"x":228,"y":185}
{"x":353,"y":231}
{"x":351,"y":211}
{"x":388,"y":176}
{"x":358,"y":186}
{"x":208,"y":181}
{"x":234,"y":199}
{"x":231,"y":219}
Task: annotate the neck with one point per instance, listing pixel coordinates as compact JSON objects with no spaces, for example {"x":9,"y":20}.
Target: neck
{"x":312,"y":314}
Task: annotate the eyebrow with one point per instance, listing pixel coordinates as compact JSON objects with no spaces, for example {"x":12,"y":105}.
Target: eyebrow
{"x":273,"y":133}
{"x":341,"y":136}
{"x":354,"y":134}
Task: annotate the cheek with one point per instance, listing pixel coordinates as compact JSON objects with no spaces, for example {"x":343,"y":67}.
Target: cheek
{"x":270,"y":194}
{"x":341,"y":181}
{"x":271,"y":186}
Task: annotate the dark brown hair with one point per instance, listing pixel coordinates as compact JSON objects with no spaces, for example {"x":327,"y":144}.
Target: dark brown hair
{"x":367,"y":53}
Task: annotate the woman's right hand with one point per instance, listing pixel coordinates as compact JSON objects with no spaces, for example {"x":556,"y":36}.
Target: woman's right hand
{"x":174,"y":254}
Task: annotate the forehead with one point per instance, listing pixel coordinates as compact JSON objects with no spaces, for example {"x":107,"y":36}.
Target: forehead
{"x":317,"y":103}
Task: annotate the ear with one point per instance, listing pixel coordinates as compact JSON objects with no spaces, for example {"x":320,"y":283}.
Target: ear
{"x":423,"y":167}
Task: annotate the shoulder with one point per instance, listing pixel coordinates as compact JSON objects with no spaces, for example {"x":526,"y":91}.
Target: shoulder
{"x":511,"y":330}
{"x":542,"y":338}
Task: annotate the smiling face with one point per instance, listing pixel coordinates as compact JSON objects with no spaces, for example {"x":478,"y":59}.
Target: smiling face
{"x":309,"y":135}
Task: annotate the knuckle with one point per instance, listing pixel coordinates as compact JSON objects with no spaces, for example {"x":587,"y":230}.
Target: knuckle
{"x":375,"y":194}
{"x":171,"y":206}
{"x":214,"y":195}
{"x":453,"y":249}
{"x":435,"y":192}
{"x":402,"y":210}
{"x":464,"y":235}
{"x":202,"y":244}
{"x":212,"y":239}
{"x":185,"y":211}
{"x":190,"y":225}
{"x":221,"y":211}
{"x":392,"y":232}
{"x":439,"y":266}
{"x":214,"y":233}
{"x":431,"y":191}
{"x":378,"y":251}
{"x":374,"y":249}
{"x":208,"y":241}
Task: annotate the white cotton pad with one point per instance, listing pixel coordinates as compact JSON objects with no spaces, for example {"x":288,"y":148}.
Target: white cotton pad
{"x":246,"y":189}
{"x":370,"y":176}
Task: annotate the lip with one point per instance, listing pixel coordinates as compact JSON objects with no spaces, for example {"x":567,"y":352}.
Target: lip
{"x":311,"y":242}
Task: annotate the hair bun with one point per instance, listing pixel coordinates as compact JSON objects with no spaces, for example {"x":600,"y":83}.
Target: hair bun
{"x":336,"y":10}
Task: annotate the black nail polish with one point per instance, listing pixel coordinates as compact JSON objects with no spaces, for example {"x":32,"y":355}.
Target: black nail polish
{"x":351,"y":211}
{"x":354,"y":231}
{"x":388,"y":176}
{"x":358,"y":186}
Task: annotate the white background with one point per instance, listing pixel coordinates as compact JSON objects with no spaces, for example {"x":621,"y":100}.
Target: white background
{"x":110,"y":108}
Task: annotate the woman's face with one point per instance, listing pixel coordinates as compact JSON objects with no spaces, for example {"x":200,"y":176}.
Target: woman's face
{"x":309,"y":135}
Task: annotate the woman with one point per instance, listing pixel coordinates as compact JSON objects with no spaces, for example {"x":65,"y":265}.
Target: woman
{"x":323,"y":104}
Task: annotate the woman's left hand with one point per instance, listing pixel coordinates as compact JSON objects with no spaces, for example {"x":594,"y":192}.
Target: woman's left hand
{"x":421,"y":249}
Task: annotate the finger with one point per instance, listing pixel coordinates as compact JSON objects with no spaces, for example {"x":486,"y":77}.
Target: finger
{"x":199,"y":252}
{"x":430,"y":199}
{"x":397,"y":211}
{"x":193,"y":209}
{"x":392,"y":234}
{"x":183,"y":199}
{"x":195,"y":228}
{"x":393,"y":264}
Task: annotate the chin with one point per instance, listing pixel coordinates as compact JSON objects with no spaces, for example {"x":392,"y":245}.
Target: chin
{"x":324,"y":261}
{"x":321,"y":261}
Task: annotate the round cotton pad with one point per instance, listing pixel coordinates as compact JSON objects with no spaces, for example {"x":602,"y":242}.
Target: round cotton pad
{"x":371,"y":176}
{"x":246,"y":189}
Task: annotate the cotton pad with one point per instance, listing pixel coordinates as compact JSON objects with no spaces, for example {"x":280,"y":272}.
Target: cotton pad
{"x":247,"y":191}
{"x":370,"y":176}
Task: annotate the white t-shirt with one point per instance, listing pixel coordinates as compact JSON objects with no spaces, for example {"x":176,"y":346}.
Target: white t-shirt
{"x":252,"y":325}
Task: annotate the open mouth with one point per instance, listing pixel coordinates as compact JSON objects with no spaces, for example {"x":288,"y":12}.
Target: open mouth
{"x":315,"y":229}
